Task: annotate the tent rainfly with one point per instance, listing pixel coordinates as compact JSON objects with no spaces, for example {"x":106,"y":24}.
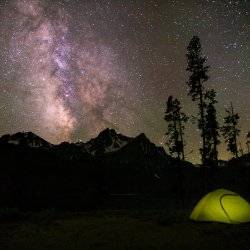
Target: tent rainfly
{"x":223,"y":206}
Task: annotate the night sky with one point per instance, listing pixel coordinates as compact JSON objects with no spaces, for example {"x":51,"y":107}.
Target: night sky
{"x":69,"y":69}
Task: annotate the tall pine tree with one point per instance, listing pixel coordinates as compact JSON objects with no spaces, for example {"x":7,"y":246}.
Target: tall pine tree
{"x":198,"y":76}
{"x":230,"y":130}
{"x":176,"y":120}
{"x":211,"y":129}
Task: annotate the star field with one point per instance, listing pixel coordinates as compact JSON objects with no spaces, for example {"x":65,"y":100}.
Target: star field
{"x":69,"y":69}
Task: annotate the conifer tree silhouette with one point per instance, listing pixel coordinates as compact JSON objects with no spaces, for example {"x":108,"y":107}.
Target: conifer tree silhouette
{"x":176,"y":120}
{"x":211,"y":129}
{"x":230,"y":130}
{"x":198,"y":76}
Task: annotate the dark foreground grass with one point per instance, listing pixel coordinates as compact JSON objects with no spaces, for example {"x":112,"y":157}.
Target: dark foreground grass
{"x":120,"y":229}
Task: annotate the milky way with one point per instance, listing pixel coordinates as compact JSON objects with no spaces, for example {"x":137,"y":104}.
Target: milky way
{"x":69,"y":69}
{"x":65,"y":83}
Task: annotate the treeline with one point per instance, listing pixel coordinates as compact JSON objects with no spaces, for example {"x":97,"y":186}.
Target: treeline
{"x":205,"y":98}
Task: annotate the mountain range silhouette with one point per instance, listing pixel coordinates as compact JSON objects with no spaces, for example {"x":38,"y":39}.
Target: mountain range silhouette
{"x":36,"y":174}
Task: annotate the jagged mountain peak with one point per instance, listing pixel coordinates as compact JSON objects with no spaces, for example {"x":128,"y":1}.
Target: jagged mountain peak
{"x":108,"y":132}
{"x":142,"y":137}
{"x":107,"y":141}
{"x":142,"y":144}
{"x":26,"y":139}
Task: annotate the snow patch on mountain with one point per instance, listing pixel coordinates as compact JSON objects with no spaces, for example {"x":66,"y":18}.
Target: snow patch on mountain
{"x":25,"y":138}
{"x":107,"y":141}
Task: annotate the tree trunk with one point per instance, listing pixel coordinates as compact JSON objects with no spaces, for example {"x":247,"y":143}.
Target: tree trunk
{"x":236,"y":147}
{"x":176,"y":138}
{"x":235,"y":134}
{"x":182,"y":142}
{"x":202,"y":125}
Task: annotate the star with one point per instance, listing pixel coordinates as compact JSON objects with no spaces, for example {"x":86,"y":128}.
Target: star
{"x":69,"y":69}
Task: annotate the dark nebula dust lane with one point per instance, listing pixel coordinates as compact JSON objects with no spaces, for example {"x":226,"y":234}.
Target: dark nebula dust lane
{"x":61,"y":83}
{"x":69,"y":69}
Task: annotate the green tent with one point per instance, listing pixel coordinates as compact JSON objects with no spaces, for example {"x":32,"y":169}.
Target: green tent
{"x":222,"y":205}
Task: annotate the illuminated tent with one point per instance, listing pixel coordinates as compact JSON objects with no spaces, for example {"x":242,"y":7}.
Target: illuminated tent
{"x":222,"y":205}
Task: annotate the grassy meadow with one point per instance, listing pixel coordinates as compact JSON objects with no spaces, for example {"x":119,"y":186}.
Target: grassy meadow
{"x":118,"y":229}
